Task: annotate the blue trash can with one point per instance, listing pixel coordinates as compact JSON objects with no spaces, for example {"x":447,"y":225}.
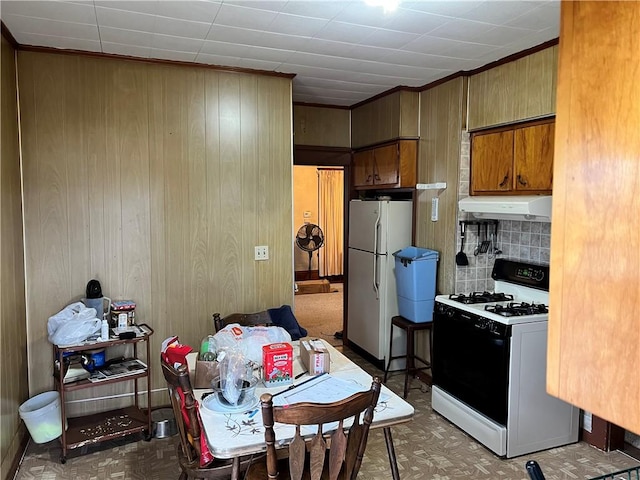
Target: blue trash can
{"x":415,"y":270}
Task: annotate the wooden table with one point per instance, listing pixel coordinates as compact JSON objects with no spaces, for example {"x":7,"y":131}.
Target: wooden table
{"x":231,"y":435}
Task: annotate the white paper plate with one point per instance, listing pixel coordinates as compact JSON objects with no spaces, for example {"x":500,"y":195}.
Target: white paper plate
{"x":213,"y":403}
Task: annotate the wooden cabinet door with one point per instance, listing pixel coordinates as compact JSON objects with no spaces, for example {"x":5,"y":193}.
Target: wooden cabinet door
{"x":491,"y":162}
{"x":533,"y":157}
{"x":363,"y":168}
{"x":387,"y":165}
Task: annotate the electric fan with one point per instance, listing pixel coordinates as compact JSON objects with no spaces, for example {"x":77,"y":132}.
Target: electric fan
{"x":309,"y":239}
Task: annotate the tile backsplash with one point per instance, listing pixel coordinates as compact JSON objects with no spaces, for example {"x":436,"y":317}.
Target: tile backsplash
{"x":518,"y":240}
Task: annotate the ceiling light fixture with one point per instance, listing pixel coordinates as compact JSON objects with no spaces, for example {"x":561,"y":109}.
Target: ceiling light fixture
{"x":388,"y":6}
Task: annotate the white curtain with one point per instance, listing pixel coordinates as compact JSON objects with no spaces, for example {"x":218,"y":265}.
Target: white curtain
{"x":330,"y":219}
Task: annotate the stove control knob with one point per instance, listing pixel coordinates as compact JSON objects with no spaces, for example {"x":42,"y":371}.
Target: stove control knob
{"x":538,"y":275}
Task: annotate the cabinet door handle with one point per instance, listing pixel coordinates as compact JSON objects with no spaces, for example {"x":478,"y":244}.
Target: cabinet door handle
{"x":521,"y":181}
{"x":377,"y":177}
{"x":504,"y":180}
{"x":369,"y":178}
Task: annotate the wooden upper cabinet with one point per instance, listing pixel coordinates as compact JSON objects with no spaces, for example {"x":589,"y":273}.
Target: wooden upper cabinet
{"x":519,"y":90}
{"x":363,"y":168}
{"x":387,"y":166}
{"x":513,"y":160}
{"x":387,"y":162}
{"x":492,"y":158}
{"x":533,"y":157}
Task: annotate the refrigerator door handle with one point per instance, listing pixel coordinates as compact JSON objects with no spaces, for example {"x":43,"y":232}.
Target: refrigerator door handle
{"x":376,"y":273}
{"x":376,"y":283}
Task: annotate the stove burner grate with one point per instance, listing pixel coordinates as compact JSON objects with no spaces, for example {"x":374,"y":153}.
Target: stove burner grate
{"x":517,"y":309}
{"x":480,"y":297}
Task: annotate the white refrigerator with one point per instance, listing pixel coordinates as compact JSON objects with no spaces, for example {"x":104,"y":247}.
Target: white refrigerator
{"x":377,"y":229}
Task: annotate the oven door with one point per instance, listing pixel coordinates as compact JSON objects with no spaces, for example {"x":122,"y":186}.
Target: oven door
{"x":471,"y":360}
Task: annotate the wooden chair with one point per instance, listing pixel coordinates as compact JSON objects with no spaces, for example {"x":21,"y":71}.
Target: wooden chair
{"x":336,"y":454}
{"x":244,"y":319}
{"x":189,"y":448}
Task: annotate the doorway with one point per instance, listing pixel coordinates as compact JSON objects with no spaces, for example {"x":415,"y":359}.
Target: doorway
{"x":321,"y":180}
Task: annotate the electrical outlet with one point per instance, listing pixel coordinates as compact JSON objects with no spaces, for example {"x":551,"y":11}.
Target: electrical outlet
{"x":262,"y":252}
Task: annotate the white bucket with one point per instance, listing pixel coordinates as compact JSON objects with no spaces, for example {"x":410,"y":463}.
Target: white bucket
{"x":41,"y":414}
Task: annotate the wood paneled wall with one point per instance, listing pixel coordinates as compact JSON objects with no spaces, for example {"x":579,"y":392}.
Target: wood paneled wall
{"x":386,"y":118}
{"x":518,"y":90}
{"x":328,"y":127}
{"x":442,"y":113}
{"x":13,"y":326}
{"x":157,"y":180}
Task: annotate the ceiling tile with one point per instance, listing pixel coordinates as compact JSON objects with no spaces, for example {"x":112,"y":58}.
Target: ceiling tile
{"x":538,"y":19}
{"x":274,"y":6}
{"x":141,"y":6}
{"x":447,"y":8}
{"x":389,"y":38}
{"x":224,"y":49}
{"x":461,"y":30}
{"x":242,"y":17}
{"x":126,"y":37}
{"x":126,"y":20}
{"x":285,"y":42}
{"x":500,"y":36}
{"x":501,"y":13}
{"x":67,"y":12}
{"x":195,"y":11}
{"x":269,"y":54}
{"x":316,"y":9}
{"x":438,"y":62}
{"x":359,"y":13}
{"x":178,"y":44}
{"x":296,"y":25}
{"x":21,"y":25}
{"x":446,"y":47}
{"x":412,"y":21}
{"x":181,"y":28}
{"x":344,"y":32}
{"x":243,"y":36}
{"x":259,"y":64}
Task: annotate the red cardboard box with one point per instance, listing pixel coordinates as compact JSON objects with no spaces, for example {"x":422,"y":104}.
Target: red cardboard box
{"x":277,"y":364}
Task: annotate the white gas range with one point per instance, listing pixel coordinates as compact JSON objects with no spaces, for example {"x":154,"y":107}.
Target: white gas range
{"x":489,"y":364}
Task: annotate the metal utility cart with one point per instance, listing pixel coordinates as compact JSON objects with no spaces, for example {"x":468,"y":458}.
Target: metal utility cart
{"x":90,"y":429}
{"x":535,"y":473}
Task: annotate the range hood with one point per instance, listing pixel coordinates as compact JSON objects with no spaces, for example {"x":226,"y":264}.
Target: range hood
{"x":535,"y":208}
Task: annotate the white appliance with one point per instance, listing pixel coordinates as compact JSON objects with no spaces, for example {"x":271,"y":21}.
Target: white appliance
{"x":535,"y":208}
{"x":489,"y":364}
{"x":377,"y":229}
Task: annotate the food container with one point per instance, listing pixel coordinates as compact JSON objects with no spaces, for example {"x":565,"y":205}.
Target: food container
{"x":247,"y":393}
{"x":123,"y":313}
{"x":277,"y":362}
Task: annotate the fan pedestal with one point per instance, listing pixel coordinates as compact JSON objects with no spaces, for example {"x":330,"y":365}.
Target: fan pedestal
{"x":313,"y":286}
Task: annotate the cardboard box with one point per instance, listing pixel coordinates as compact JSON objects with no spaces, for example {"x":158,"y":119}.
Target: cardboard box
{"x":277,"y":364}
{"x":314,"y":356}
{"x":205,"y":373}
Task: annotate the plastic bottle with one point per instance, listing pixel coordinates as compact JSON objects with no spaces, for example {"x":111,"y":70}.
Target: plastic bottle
{"x":104,"y":332}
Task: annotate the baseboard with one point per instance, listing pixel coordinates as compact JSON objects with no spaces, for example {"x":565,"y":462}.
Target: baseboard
{"x":20,"y":443}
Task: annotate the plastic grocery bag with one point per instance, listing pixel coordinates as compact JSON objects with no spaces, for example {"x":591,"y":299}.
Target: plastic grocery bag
{"x":248,"y":340}
{"x":73,"y":324}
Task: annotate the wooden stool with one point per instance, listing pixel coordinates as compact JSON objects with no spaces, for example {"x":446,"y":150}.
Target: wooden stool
{"x":410,"y":369}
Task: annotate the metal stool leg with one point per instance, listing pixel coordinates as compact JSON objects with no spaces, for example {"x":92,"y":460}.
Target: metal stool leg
{"x":386,"y":372}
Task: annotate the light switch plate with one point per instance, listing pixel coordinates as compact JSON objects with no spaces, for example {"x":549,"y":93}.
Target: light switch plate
{"x":262,"y":252}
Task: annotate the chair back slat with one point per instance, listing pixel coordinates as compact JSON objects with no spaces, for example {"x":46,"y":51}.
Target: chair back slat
{"x":346,"y":445}
{"x":244,"y":319}
{"x":297,"y":453}
{"x":317,"y":451}
{"x":337,"y":452}
{"x":353,"y":444}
